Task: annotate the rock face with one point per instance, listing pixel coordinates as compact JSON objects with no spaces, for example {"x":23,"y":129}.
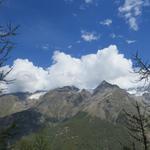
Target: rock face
{"x":103,"y":87}
{"x":62,"y":103}
{"x":109,"y":102}
{"x":17,"y":102}
{"x":10,"y":104}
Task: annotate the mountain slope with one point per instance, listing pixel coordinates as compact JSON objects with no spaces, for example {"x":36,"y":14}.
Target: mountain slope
{"x":17,"y":102}
{"x":106,"y":102}
{"x":10,"y":104}
{"x":109,"y":102}
{"x":62,"y":103}
{"x":82,"y":132}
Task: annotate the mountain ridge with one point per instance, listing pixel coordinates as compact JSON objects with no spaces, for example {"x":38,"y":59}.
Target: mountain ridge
{"x":56,"y":106}
{"x":67,"y":99}
{"x":105,"y":102}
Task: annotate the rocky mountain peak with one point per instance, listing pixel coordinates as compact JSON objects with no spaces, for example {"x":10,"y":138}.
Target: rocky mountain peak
{"x":104,"y":85}
{"x":67,"y":89}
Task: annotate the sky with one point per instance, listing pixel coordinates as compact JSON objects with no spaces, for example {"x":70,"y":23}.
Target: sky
{"x":76,"y":42}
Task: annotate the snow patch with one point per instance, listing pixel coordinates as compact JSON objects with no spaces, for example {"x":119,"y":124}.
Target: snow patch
{"x":36,"y":95}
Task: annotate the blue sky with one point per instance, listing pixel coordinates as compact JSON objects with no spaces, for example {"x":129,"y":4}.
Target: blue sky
{"x":57,"y":24}
{"x":77,"y":28}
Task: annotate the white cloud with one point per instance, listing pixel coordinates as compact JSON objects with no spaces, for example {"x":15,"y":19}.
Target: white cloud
{"x":28,"y":77}
{"x":45,"y":46}
{"x":88,"y":1}
{"x":130,"y":41}
{"x":113,"y":36}
{"x":89,"y":36}
{"x":69,"y":46}
{"x":106,"y":22}
{"x":131,"y":10}
{"x":85,"y":72}
{"x":85,"y":1}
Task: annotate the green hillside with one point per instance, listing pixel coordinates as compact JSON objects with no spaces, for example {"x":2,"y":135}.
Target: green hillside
{"x":81,"y":132}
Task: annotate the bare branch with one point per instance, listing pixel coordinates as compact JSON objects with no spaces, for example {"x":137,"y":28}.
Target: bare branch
{"x":142,"y":68}
{"x":6,"y":45}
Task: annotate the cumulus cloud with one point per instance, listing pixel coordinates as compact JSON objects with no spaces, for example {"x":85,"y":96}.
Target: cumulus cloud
{"x":28,"y":77}
{"x":131,"y":10}
{"x":85,"y":72}
{"x":89,"y":36}
{"x":106,"y":22}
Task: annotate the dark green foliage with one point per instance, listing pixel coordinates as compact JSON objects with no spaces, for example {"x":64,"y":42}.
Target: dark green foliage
{"x":126,"y":148}
{"x":5,"y":135}
{"x":41,"y":142}
{"x":24,"y":144}
{"x":38,"y":141}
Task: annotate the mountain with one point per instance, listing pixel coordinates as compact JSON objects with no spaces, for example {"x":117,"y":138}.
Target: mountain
{"x":10,"y":104}
{"x":62,"y":103}
{"x":16,"y":102}
{"x":71,"y":107}
{"x":103,"y":87}
{"x":109,"y":102}
{"x":106,"y":102}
